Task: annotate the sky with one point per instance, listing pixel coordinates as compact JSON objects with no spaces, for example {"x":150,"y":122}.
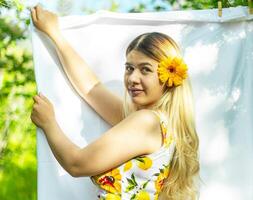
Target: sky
{"x":79,"y":5}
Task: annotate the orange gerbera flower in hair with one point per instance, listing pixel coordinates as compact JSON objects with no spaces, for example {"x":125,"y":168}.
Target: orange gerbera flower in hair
{"x":172,"y":70}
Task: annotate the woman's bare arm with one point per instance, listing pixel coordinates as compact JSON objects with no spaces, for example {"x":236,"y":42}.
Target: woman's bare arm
{"x":77,"y":70}
{"x":108,"y":105}
{"x":84,"y":80}
{"x":138,"y":134}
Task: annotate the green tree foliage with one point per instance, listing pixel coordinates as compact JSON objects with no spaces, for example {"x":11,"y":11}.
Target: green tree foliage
{"x":188,"y":4}
{"x":207,"y":4}
{"x":17,"y":86}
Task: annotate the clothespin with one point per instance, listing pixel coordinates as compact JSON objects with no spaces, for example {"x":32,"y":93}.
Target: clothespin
{"x":220,"y":8}
{"x":250,"y":7}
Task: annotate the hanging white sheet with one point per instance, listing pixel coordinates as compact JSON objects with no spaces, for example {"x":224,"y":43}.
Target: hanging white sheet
{"x":219,"y":53}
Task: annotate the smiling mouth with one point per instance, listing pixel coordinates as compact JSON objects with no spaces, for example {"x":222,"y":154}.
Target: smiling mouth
{"x":134,"y":93}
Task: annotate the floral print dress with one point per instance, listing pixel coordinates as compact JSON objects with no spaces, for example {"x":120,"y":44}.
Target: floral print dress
{"x":141,"y":178}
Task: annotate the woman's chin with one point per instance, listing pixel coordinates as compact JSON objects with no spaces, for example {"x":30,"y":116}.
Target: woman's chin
{"x":139,"y":105}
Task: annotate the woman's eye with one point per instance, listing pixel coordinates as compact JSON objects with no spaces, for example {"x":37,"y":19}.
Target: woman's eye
{"x":128,"y":68}
{"x":146,"y":69}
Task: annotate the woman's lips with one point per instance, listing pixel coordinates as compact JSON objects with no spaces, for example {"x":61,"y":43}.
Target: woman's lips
{"x":135,"y":92}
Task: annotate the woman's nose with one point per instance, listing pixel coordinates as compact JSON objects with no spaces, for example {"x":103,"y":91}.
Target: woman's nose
{"x":134,"y":77}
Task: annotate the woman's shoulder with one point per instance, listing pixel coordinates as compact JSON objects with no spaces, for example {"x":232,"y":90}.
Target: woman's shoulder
{"x":152,"y":122}
{"x":154,"y":116}
{"x":146,"y":117}
{"x":145,"y":120}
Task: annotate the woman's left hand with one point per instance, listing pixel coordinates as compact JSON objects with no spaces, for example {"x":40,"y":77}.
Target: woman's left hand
{"x":45,"y":21}
{"x":43,"y":112}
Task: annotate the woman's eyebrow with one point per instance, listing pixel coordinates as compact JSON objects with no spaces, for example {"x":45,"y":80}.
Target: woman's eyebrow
{"x":143,"y":63}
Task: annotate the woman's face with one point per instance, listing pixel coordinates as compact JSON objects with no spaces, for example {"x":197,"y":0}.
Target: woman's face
{"x":141,"y":74}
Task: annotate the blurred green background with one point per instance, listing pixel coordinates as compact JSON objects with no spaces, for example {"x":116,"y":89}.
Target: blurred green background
{"x":18,"y":164}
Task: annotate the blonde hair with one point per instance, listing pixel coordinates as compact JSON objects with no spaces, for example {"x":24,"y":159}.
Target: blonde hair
{"x":177,"y":105}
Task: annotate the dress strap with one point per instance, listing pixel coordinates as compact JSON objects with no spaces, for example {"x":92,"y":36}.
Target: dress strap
{"x":156,"y":112}
{"x":162,"y":123}
{"x":168,"y":139}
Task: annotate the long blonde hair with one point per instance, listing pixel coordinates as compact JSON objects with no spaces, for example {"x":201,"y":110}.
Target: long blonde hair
{"x":177,"y":105}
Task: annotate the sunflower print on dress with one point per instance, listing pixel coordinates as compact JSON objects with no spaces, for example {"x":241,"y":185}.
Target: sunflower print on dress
{"x":110,"y":181}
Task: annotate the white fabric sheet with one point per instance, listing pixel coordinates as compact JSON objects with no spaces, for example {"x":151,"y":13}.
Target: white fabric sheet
{"x":219,"y":53}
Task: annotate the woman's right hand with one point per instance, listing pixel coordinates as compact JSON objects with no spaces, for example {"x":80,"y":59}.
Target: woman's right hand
{"x":45,"y":21}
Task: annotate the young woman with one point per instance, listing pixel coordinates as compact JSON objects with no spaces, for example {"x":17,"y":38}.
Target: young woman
{"x":151,"y":151}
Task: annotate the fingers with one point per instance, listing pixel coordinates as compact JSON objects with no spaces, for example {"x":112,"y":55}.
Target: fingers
{"x":40,"y":99}
{"x":33,"y":14}
{"x":44,"y":98}
{"x":36,"y":12}
{"x":36,"y":99}
{"x":38,"y":9}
